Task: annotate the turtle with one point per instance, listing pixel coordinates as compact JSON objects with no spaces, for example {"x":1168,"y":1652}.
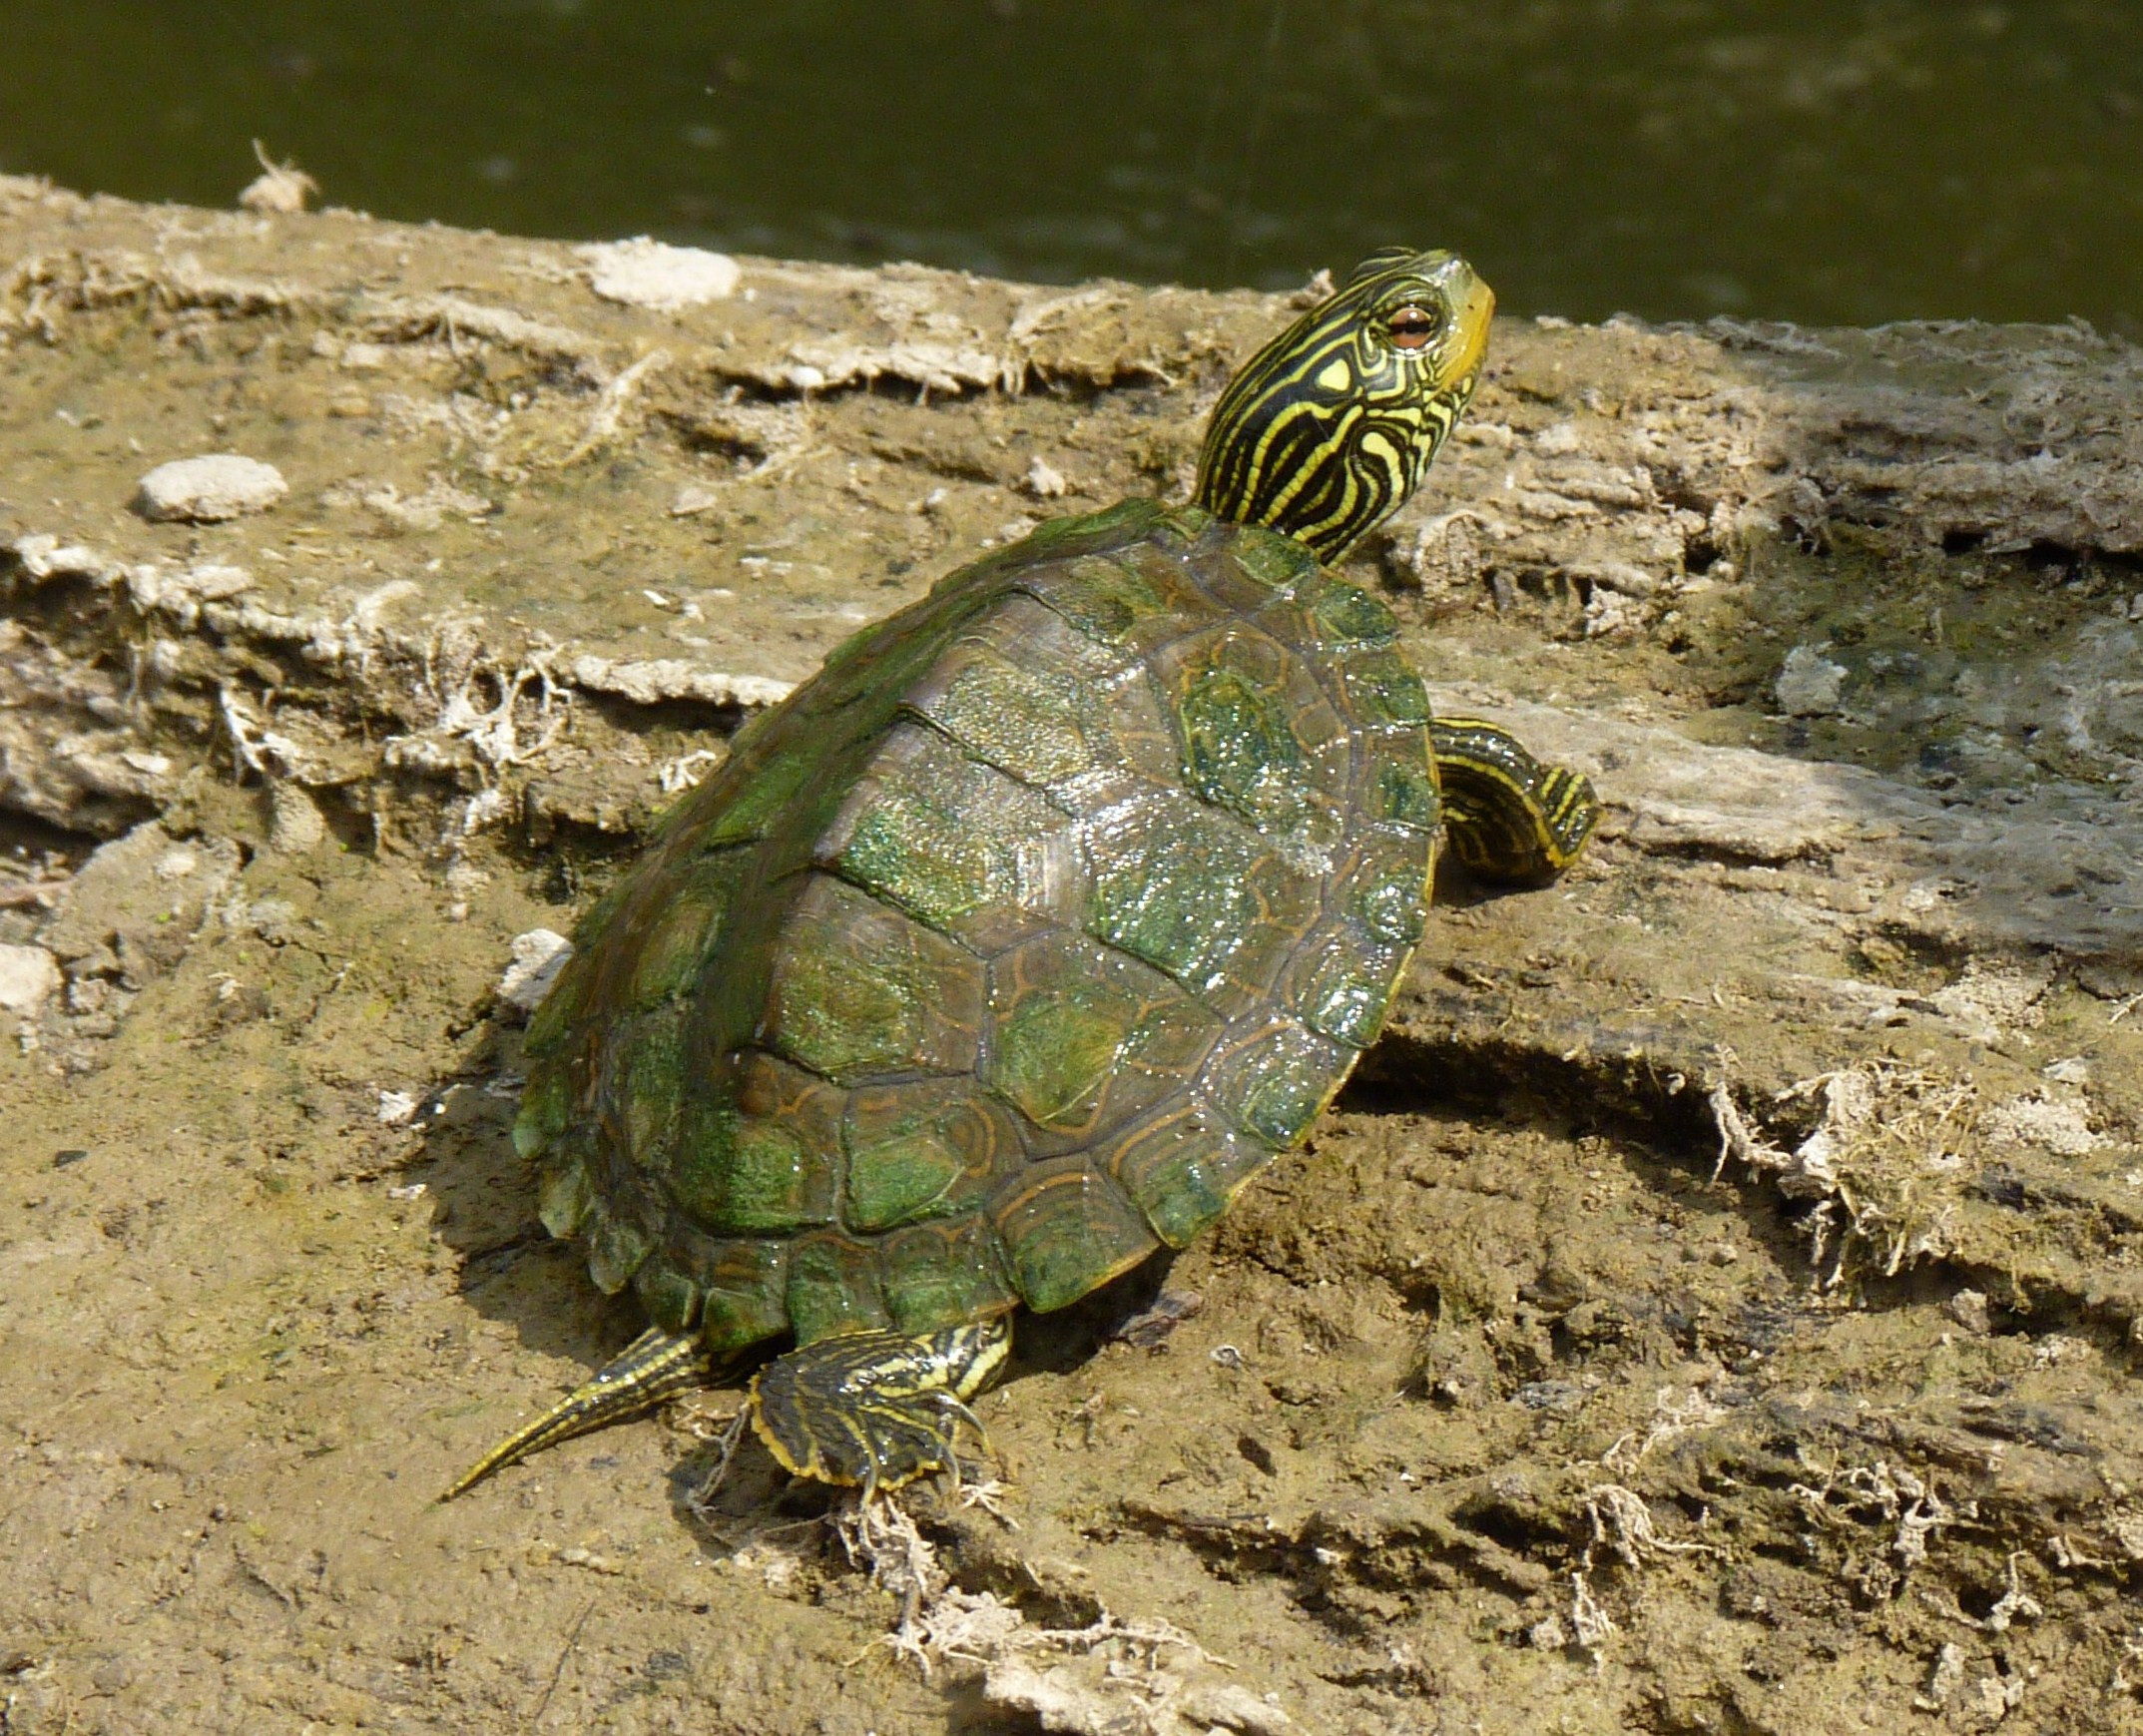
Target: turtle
{"x":999,"y":954}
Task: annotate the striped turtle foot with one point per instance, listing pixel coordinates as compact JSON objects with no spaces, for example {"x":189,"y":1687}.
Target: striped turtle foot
{"x":654,"y":1366}
{"x":1509,"y":818}
{"x":876,"y":1409}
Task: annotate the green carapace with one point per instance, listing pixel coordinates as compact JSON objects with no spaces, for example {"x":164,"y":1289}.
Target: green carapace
{"x":1002,"y":953}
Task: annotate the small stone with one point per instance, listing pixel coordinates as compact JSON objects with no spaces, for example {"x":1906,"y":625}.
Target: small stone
{"x":28,"y":977}
{"x":296,"y":824}
{"x":1549,"y":1634}
{"x":1044,"y":481}
{"x":538,"y":956}
{"x":396,"y":1108}
{"x":273,"y":919}
{"x":1810,"y":683}
{"x":1943,"y":1679}
{"x":643,"y":272}
{"x":1968,"y":1308}
{"x":1152,"y":1329}
{"x":209,"y":490}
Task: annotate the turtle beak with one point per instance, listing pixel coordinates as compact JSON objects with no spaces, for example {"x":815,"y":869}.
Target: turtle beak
{"x":1472,"y":305}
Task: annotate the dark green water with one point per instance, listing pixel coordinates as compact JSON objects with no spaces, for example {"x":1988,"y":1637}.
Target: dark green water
{"x":1828,"y":160}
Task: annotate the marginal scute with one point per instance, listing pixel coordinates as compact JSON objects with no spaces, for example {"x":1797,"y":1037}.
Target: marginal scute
{"x":1182,"y":1169}
{"x":1126,"y":520}
{"x":560,"y":1009}
{"x":1068,"y":1229}
{"x":1341,"y":984}
{"x":565,"y":1195}
{"x":547,"y":1106}
{"x":744,"y":1289}
{"x":1273,"y":1082}
{"x":834,"y":1286}
{"x":861,"y":990}
{"x":676,"y":943}
{"x":1347,"y":615}
{"x":1402,"y":784}
{"x":941,"y":1274}
{"x":1386,"y":885}
{"x":1178,"y":527}
{"x":616,"y":1246}
{"x":1383,"y":688}
{"x":671,"y":1299}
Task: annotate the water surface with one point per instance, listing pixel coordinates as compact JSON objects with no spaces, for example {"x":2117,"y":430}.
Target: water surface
{"x":1828,"y":159}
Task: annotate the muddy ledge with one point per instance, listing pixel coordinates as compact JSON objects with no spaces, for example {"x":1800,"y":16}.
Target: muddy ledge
{"x":1714,"y":1309}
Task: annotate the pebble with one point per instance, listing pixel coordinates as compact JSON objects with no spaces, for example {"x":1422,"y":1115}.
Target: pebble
{"x":1968,"y":1308}
{"x":211,"y":488}
{"x":643,"y":272}
{"x":29,"y":976}
{"x":1810,"y":683}
{"x":297,"y":826}
{"x":538,"y":956}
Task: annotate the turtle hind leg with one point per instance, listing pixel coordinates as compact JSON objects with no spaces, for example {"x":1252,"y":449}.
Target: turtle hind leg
{"x":876,"y":1409}
{"x":654,"y":1366}
{"x":1511,"y":818}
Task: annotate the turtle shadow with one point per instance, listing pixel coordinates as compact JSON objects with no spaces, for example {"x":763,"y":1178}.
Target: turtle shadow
{"x":482,"y":1195}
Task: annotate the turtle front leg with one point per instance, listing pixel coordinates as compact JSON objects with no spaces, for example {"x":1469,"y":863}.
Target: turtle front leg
{"x":876,"y":1409}
{"x":1510,"y":817}
{"x":654,"y":1366}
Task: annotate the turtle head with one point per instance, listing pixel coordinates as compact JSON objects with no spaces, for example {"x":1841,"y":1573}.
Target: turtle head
{"x":1327,"y":430}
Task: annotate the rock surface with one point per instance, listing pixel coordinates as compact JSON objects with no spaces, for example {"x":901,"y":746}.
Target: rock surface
{"x":1714,"y":1308}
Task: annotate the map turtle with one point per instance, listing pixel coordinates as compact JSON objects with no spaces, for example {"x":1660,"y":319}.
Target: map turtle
{"x":1056,"y":906}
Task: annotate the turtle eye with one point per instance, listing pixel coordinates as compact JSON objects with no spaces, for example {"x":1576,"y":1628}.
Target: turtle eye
{"x":1411,"y":326}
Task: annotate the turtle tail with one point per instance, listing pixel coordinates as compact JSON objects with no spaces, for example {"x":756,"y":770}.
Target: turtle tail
{"x":654,"y":1366}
